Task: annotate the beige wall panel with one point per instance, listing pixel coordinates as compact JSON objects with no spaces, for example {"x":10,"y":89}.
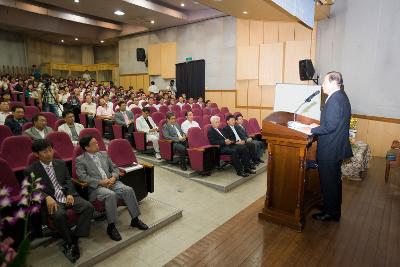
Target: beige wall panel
{"x":215,"y":97}
{"x":362,"y":130}
{"x":268,"y":96}
{"x":294,"y":52}
{"x":264,"y":114}
{"x":271,"y":32}
{"x":254,"y":94}
{"x":254,"y":113}
{"x":247,"y":62}
{"x":271,"y":64}
{"x":154,"y":56}
{"x":243,"y":32}
{"x":168,"y":60}
{"x":286,"y":31}
{"x":302,"y":33}
{"x":139,"y":82}
{"x":380,"y":136}
{"x":241,"y":96}
{"x":228,"y":100}
{"x":256,"y":32}
{"x":243,"y":111}
{"x":314,"y":31}
{"x":134,"y":82}
{"x":146,"y":81}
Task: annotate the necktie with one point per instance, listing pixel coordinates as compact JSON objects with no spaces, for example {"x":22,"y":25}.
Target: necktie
{"x":58,"y":193}
{"x":148,"y":123}
{"x":74,"y":133}
{"x":220,"y":133}
{"x":98,"y":165}
{"x":236,"y":134}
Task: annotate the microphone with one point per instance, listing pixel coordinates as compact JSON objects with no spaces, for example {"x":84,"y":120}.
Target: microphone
{"x":308,"y":99}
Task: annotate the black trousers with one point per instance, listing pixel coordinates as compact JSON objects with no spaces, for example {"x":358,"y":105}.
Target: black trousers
{"x":239,"y":156}
{"x":128,"y":131}
{"x":251,"y":147}
{"x":60,"y":219}
{"x":331,"y":186}
{"x":180,"y":149}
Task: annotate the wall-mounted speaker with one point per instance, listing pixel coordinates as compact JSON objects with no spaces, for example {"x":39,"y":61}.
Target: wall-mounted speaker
{"x":306,"y":70}
{"x":140,"y":54}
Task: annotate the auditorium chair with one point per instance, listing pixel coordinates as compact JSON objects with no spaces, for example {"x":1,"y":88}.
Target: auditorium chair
{"x":163,"y":109}
{"x":142,"y":180}
{"x":5,"y":132}
{"x":206,"y":111}
{"x":15,"y":150}
{"x":206,"y":119}
{"x":237,"y":113}
{"x":186,"y":107}
{"x":203,"y":156}
{"x":180,"y":120}
{"x":199,"y":120}
{"x":140,"y":138}
{"x":225,"y":158}
{"x":51,"y":119}
{"x":26,"y":126}
{"x":215,"y":111}
{"x":196,"y":106}
{"x":214,"y":105}
{"x":98,"y":124}
{"x":153,"y":109}
{"x":62,"y":144}
{"x":392,"y":158}
{"x":197,"y":112}
{"x":166,"y":146}
{"x":31,"y":111}
{"x":254,"y":129}
{"x":32,"y":158}
{"x":157,"y":117}
{"x":58,"y":123}
{"x":136,"y":111}
{"x":182,"y":114}
{"x":96,"y":134}
{"x":144,"y":103}
{"x":176,"y":109}
{"x":224,"y":110}
{"x":83,"y":120}
{"x":221,"y":117}
{"x":16,"y":103}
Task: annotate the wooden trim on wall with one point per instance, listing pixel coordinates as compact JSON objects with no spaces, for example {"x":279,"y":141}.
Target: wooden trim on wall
{"x":375,"y":118}
{"x":220,"y":91}
{"x":254,"y":107}
{"x":133,"y":74}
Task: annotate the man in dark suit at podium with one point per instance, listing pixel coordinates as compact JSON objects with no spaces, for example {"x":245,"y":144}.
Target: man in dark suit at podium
{"x":333,"y":145}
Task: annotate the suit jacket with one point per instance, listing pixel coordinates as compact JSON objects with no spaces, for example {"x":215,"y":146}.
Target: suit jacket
{"x":214,"y":138}
{"x":141,"y":124}
{"x":15,"y":127}
{"x":119,"y":118}
{"x":86,"y":169}
{"x":242,"y":130}
{"x":65,"y":128}
{"x":62,"y":174}
{"x":170,"y":133}
{"x":228,"y":133}
{"x":333,"y":132}
{"x":34,"y":133}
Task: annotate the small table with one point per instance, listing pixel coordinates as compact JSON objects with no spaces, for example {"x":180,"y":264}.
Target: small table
{"x":355,"y":167}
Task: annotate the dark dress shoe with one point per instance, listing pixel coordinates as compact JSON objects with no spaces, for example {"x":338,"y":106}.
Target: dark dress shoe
{"x":77,"y":251}
{"x":242,"y":173}
{"x":252,"y":167}
{"x":113,"y":233}
{"x":325,"y":217}
{"x":260,"y":160}
{"x":68,"y":250}
{"x":139,"y":224}
{"x":183,"y":167}
{"x":249,"y":171}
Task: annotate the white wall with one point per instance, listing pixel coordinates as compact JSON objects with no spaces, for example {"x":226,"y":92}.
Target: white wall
{"x":362,"y":40}
{"x":12,"y":49}
{"x":213,"y":40}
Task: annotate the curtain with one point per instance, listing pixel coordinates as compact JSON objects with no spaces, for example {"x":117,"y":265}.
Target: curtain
{"x":190,"y":78}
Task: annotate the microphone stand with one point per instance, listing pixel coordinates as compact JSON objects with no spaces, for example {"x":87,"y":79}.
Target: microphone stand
{"x":294,"y":114}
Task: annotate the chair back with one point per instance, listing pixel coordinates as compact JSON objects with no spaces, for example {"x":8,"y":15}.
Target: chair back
{"x":136,"y":111}
{"x":5,"y":132}
{"x":199,"y":120}
{"x":121,"y":153}
{"x":206,"y":111}
{"x":26,"y":126}
{"x":58,"y":124}
{"x":186,"y":107}
{"x":77,"y":152}
{"x":31,"y":111}
{"x":32,"y":158}
{"x":51,"y":118}
{"x":16,"y":103}
{"x":176,"y":108}
{"x":215,"y":111}
{"x":196,"y":137}
{"x":205,"y":132}
{"x":96,"y":134}
{"x":196,"y":106}
{"x":62,"y":144}
{"x":153,"y":109}
{"x":224,"y":110}
{"x":197,"y":112}
{"x":15,"y":150}
{"x":180,"y":120}
{"x":8,"y":178}
{"x":254,"y":126}
{"x":163,"y":109}
{"x":206,"y":119}
{"x":214,"y":105}
{"x":157,"y":117}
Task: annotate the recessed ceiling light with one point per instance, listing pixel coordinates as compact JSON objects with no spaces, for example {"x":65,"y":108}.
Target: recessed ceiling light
{"x":102,"y":41}
{"x":245,"y":12}
{"x":76,"y":1}
{"x":195,"y":2}
{"x":76,"y":38}
{"x":62,"y":41}
{"x":152,"y":22}
{"x":119,"y":13}
{"x":183,"y":4}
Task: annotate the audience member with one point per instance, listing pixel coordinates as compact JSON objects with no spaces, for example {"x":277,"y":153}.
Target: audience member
{"x":48,"y":92}
{"x":102,"y":176}
{"x":181,"y":101}
{"x":135,"y":104}
{"x":259,"y":145}
{"x":39,"y":130}
{"x":146,"y":124}
{"x":189,"y":122}
{"x":172,"y":131}
{"x":4,"y":111}
{"x":125,"y":118}
{"x":89,"y":110}
{"x":17,"y":119}
{"x":153,"y":88}
{"x":70,"y":126}
{"x":60,"y":195}
{"x":171,"y":88}
{"x":106,"y":113}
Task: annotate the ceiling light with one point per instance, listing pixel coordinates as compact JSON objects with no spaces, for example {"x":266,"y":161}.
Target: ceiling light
{"x":76,"y":1}
{"x":102,"y":41}
{"x":62,"y":41}
{"x":152,"y":22}
{"x":183,"y":4}
{"x":76,"y":38}
{"x":245,"y":12}
{"x":119,"y":13}
{"x":195,"y":2}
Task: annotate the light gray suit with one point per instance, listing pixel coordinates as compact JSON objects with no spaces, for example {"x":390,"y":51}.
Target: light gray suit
{"x":86,"y":170}
{"x":179,"y":147}
{"x":34,"y":133}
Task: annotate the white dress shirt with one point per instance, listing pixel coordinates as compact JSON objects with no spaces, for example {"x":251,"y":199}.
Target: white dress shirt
{"x":186,"y":125}
{"x":154,"y":89}
{"x":236,"y":134}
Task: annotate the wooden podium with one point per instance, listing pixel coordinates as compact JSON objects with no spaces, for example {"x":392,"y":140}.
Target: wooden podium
{"x":292,"y":188}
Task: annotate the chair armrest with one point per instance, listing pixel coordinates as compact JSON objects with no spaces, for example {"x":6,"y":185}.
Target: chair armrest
{"x":80,"y":183}
{"x":165,"y":141}
{"x":122,"y":172}
{"x":147,"y":165}
{"x":196,"y":149}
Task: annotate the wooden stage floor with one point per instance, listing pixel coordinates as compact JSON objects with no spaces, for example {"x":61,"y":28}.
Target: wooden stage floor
{"x":367,"y":235}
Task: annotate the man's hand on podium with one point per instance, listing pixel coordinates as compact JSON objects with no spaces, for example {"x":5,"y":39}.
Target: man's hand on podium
{"x":306,"y":130}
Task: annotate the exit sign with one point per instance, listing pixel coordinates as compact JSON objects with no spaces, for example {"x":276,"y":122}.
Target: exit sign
{"x":189,"y":59}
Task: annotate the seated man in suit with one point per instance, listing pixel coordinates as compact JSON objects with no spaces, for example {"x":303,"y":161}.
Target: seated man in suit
{"x":125,"y":118}
{"x":60,"y":195}
{"x":172,"y":131}
{"x":39,"y":130}
{"x":70,"y":126}
{"x":239,"y":153}
{"x":146,"y":124}
{"x":259,"y":146}
{"x":101,"y":174}
{"x":17,"y":120}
